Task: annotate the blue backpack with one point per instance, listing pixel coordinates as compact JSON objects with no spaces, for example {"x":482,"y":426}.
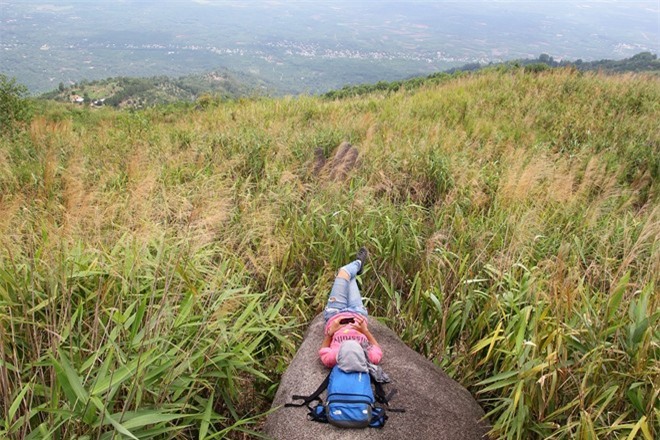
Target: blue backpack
{"x":350,"y":401}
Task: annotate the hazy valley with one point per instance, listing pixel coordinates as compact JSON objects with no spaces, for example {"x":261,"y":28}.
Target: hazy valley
{"x":306,"y":46}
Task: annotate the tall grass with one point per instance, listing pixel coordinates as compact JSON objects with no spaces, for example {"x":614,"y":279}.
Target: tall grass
{"x":156,"y":263}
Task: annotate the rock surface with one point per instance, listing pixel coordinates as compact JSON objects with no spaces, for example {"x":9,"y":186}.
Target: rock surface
{"x":437,"y":407}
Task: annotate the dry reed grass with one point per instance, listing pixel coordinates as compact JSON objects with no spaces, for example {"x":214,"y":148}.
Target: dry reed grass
{"x":513,"y":227}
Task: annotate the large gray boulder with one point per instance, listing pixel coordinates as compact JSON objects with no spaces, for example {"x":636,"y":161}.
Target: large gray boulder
{"x":437,"y":407}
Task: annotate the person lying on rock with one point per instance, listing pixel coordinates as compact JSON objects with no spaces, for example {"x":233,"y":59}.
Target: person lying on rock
{"x":347,"y":336}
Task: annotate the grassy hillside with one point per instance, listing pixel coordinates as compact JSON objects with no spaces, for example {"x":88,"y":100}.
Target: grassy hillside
{"x":135,"y":93}
{"x":644,"y":62}
{"x":158,"y":268}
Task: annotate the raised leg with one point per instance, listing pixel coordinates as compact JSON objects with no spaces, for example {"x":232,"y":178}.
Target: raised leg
{"x":345,"y":295}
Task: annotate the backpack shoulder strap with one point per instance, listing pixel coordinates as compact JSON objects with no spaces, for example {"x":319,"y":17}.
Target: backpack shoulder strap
{"x":306,"y":400}
{"x":384,"y":399}
{"x":379,"y":393}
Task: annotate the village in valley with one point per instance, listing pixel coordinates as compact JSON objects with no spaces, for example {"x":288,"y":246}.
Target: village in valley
{"x":77,"y":99}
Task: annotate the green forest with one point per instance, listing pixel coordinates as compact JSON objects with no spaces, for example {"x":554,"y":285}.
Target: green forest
{"x":159,"y":267}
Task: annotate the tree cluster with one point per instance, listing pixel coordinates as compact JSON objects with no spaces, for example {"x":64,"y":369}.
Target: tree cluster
{"x":15,"y":108}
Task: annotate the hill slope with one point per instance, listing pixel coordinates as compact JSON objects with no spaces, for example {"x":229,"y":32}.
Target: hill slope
{"x":145,"y":92}
{"x":129,"y":92}
{"x":158,"y":267}
{"x":644,"y":62}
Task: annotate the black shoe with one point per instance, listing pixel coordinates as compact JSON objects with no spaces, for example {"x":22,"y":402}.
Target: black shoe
{"x":362,"y":255}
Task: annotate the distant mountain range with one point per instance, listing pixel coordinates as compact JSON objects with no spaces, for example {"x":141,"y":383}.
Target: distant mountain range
{"x":128,"y":92}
